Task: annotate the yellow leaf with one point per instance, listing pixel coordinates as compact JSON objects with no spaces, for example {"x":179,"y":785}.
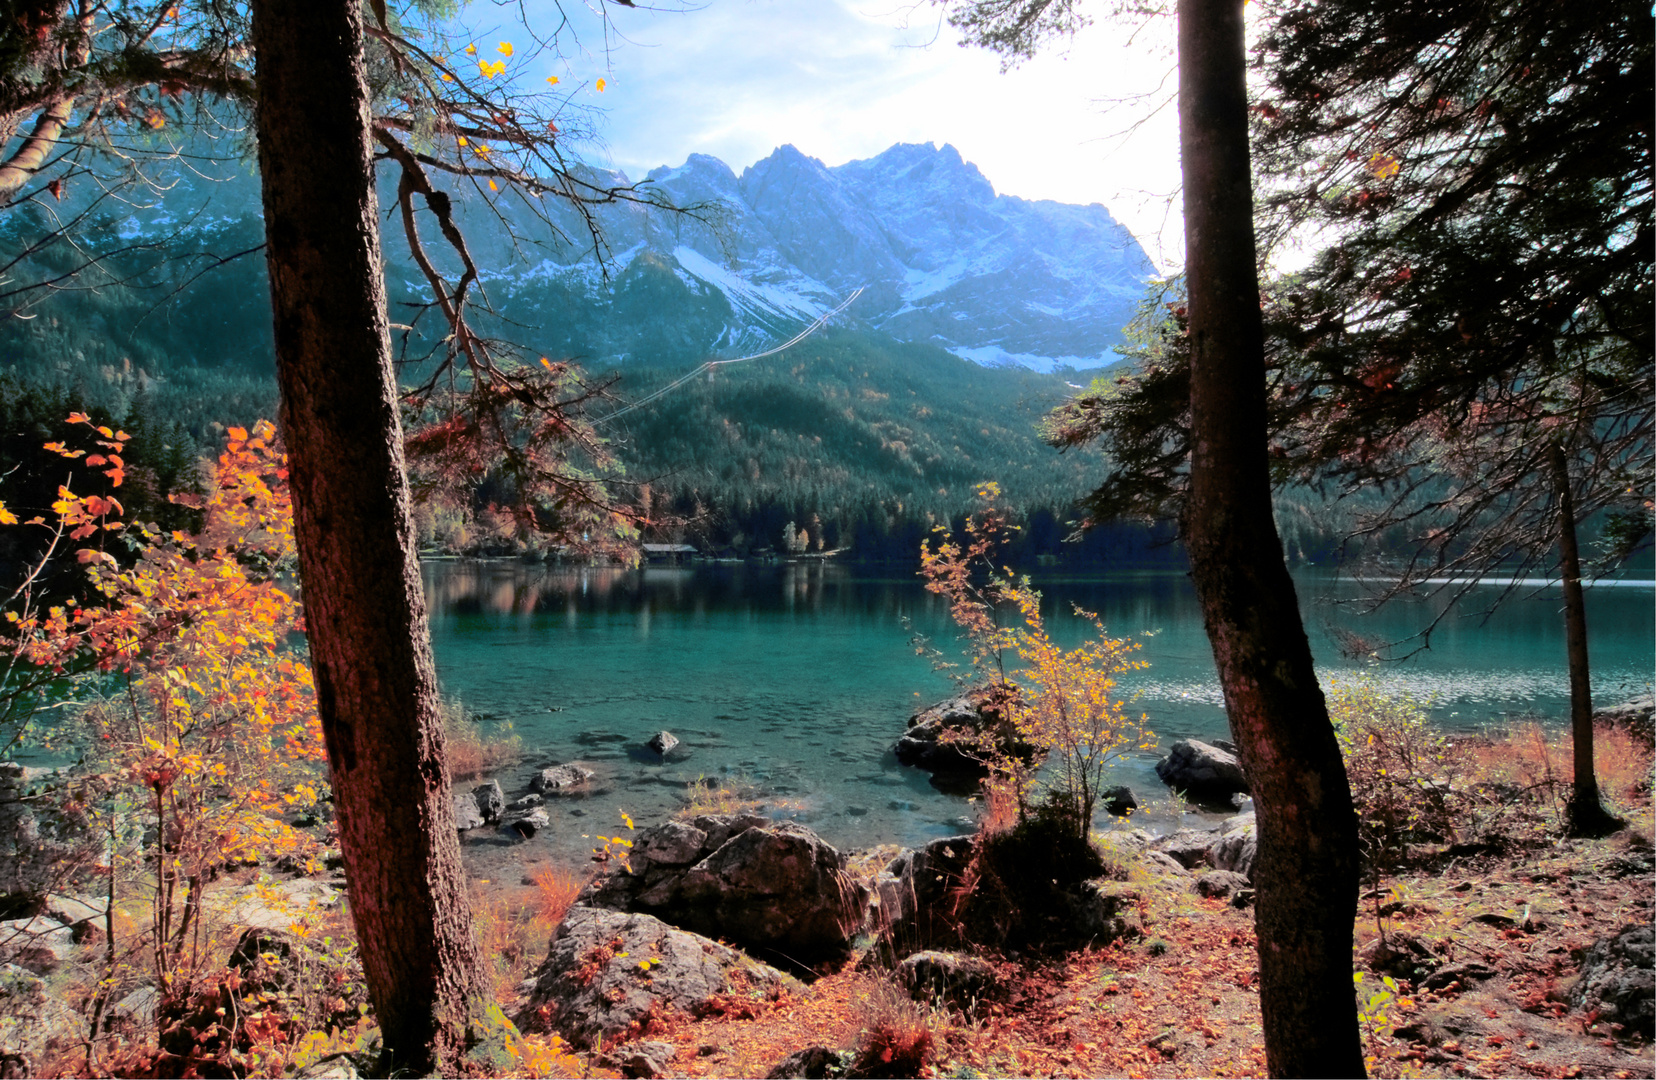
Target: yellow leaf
{"x":471,"y":50}
{"x":600,"y":84}
{"x":493,"y":186}
{"x":552,"y":80}
{"x":505,"y":48}
{"x":447,"y":77}
{"x":6,"y":516}
{"x":462,"y":140}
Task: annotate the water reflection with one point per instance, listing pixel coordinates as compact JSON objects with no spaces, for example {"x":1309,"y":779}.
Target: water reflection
{"x":799,"y":677}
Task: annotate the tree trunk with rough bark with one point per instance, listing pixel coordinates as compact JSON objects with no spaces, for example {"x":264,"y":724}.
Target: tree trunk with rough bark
{"x":364,"y":608}
{"x":1307,"y":873}
{"x":1587,"y":816}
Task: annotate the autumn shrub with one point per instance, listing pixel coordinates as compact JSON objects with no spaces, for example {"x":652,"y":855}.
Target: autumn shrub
{"x":1410,"y":780}
{"x":200,"y":739}
{"x":1063,"y":703}
{"x":1535,"y":761}
{"x":896,"y":1036}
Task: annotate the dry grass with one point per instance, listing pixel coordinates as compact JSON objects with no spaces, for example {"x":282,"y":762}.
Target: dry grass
{"x":897,"y":1037}
{"x":1541,"y":759}
{"x":474,"y":748}
{"x":727,"y":796}
{"x":556,"y":888}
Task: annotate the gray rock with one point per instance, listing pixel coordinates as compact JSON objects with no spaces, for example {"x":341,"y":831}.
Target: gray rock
{"x":1237,"y":848}
{"x":648,"y":1059}
{"x":1104,"y":911}
{"x":466,"y":813}
{"x":1188,"y":847}
{"x":775,"y":887}
{"x":1221,"y":884}
{"x":743,"y":878}
{"x":525,"y":825}
{"x":491,"y":800}
{"x":934,"y":975}
{"x":84,"y":915}
{"x":528,"y":802}
{"x":1618,"y":978}
{"x":672,"y":843}
{"x":39,"y":944}
{"x":1162,"y":863}
{"x":558,"y":779}
{"x":587,"y":990}
{"x":341,"y":1066}
{"x":1118,"y":800}
{"x":662,"y":742}
{"x":41,"y":833}
{"x":811,"y":1063}
{"x":1202,"y":770}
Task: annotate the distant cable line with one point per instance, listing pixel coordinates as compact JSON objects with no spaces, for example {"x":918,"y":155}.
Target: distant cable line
{"x":711,"y":364}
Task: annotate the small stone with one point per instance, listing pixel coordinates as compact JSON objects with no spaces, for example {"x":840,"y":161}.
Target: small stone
{"x":491,"y":800}
{"x":662,"y":742}
{"x":640,"y":1059}
{"x":1220,"y":884}
{"x":526,"y":826}
{"x":559,"y":778}
{"x":466,"y":814}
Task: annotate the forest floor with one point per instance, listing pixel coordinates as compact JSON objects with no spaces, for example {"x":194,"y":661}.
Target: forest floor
{"x":1513,"y":915}
{"x":1183,"y":1001}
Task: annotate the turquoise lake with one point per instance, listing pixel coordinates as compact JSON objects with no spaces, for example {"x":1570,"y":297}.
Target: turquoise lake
{"x":797,"y":678}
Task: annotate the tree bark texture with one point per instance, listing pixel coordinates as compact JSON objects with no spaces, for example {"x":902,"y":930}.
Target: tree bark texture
{"x":1587,"y":814}
{"x":364,"y":609}
{"x":1307,"y":873}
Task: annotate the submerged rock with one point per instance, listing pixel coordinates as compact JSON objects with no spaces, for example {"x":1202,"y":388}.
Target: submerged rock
{"x":558,"y":779}
{"x":662,"y":742}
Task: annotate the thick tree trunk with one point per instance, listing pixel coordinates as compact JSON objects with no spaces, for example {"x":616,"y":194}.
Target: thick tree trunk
{"x":1307,"y":869}
{"x":1587,"y":815}
{"x":364,"y":610}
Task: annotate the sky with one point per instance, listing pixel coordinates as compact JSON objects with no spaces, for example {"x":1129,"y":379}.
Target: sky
{"x":1089,"y":120}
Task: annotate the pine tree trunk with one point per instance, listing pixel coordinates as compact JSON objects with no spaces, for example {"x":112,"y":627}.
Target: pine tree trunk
{"x":1587,"y":816}
{"x":1307,"y":868}
{"x":364,"y":609}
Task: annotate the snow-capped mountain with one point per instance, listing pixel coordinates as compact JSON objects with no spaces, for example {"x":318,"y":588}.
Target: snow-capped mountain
{"x":745,"y":261}
{"x":941,"y":258}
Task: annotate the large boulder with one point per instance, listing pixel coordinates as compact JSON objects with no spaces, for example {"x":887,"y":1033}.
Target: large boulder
{"x":1187,"y":847}
{"x":1618,"y":979}
{"x":1205,"y":772}
{"x":951,"y":737}
{"x":607,"y":971}
{"x":743,"y":878}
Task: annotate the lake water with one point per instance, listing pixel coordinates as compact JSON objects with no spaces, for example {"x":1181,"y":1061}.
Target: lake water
{"x":797,"y":679}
